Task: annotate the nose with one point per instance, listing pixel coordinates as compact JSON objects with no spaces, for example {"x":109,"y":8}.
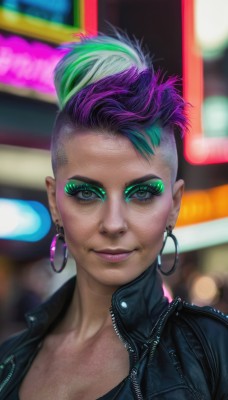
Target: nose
{"x":113,"y":220}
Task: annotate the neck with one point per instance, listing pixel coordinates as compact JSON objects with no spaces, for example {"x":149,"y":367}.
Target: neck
{"x":88,"y":313}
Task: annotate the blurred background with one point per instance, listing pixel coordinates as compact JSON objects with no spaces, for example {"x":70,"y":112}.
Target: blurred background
{"x":188,"y":38}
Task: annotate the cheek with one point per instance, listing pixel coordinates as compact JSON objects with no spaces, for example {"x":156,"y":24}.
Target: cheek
{"x":76,"y":231}
{"x":152,"y":232}
{"x":79,"y":224}
{"x":150,"y":224}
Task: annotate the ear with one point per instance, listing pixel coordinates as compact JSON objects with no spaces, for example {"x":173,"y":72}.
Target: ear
{"x":51,"y":192}
{"x":178,"y":189}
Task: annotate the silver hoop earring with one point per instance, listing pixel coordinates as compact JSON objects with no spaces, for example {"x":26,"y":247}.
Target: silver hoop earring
{"x":59,"y":236}
{"x":169,"y":234}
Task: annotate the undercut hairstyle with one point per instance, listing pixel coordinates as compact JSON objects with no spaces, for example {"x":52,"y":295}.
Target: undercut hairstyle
{"x":108,"y":84}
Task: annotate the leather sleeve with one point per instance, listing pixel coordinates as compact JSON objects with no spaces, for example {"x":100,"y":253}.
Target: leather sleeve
{"x":211,"y":328}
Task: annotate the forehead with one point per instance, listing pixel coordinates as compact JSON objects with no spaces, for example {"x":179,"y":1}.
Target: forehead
{"x":103,"y":156}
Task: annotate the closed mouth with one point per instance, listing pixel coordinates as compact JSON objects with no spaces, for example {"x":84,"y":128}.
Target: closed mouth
{"x":113,"y":251}
{"x":114,"y":255}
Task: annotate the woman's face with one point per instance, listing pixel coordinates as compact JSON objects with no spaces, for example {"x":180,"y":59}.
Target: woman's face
{"x":114,"y":206}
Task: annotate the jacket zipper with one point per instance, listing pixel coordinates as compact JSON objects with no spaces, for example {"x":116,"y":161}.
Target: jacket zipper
{"x":154,"y":343}
{"x":157,"y":330}
{"x":133,"y":356}
{"x":126,"y":344}
{"x":135,"y":384}
{"x":9,"y":360}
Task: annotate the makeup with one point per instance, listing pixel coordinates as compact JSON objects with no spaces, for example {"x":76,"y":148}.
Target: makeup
{"x":140,"y":191}
{"x":144,"y":191}
{"x":84,"y":191}
{"x":114,"y":257}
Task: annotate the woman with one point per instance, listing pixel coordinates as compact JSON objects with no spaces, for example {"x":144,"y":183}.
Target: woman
{"x":110,"y":333}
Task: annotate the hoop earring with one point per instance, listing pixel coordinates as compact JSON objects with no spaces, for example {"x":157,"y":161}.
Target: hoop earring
{"x":176,"y":256}
{"x":59,"y":236}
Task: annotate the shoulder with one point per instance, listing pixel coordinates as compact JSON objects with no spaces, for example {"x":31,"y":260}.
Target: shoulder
{"x":205,"y":323}
{"x":203,"y":331}
{"x":204,"y":316}
{"x":40,"y":320}
{"x":209,"y":327}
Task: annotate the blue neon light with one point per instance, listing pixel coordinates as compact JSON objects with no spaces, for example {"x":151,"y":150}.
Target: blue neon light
{"x":57,"y":6}
{"x":23,"y":220}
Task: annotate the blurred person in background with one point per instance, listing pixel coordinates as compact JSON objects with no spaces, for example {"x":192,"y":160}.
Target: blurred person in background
{"x":6,"y":273}
{"x":110,"y":333}
{"x":23,"y":286}
{"x":33,"y":282}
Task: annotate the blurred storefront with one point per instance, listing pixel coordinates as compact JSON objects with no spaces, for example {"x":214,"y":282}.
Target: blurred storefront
{"x":177,"y":33}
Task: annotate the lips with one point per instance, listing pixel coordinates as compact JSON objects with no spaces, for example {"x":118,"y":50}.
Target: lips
{"x":114,"y":255}
{"x":113,"y":251}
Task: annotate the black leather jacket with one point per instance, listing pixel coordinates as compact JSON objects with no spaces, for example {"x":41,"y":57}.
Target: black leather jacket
{"x":176,"y":350}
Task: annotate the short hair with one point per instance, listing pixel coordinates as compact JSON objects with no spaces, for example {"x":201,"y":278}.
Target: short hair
{"x":109,"y":83}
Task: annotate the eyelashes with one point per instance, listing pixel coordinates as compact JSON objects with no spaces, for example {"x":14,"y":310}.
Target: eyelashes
{"x":143,"y":192}
{"x":84,"y":191}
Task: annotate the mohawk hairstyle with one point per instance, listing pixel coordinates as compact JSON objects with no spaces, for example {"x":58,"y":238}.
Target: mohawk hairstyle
{"x":108,"y":83}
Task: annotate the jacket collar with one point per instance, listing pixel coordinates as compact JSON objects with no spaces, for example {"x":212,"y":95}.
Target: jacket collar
{"x":136,"y":306}
{"x":45,"y":316}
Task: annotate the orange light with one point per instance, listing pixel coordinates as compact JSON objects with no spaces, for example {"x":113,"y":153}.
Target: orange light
{"x":203,"y":205}
{"x":204,"y":290}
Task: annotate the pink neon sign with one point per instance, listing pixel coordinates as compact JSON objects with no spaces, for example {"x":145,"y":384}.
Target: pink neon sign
{"x":28,"y":65}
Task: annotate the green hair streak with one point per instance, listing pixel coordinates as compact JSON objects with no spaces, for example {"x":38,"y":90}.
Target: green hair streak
{"x":91,"y":60}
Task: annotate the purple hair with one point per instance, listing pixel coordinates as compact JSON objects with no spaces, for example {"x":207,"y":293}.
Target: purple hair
{"x":133,"y":100}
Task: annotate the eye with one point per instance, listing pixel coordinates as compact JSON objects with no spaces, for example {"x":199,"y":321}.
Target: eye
{"x":84,"y":192}
{"x":86,"y":195}
{"x":144,"y":192}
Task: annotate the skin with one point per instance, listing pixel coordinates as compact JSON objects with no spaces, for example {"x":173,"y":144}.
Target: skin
{"x":78,"y":345}
{"x":113,"y":223}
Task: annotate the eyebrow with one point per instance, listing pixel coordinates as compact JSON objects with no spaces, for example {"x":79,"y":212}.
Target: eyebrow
{"x":87,"y":180}
{"x":142,"y":179}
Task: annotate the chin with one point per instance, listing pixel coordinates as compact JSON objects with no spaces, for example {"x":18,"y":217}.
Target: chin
{"x":117,"y":276}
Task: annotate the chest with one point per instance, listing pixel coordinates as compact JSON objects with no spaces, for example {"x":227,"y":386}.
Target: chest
{"x":86,"y":372}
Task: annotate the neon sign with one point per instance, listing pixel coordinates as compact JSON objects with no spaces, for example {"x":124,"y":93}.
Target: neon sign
{"x":204,"y":83}
{"x":49,"y":20}
{"x":28,"y":65}
{"x":28,"y":221}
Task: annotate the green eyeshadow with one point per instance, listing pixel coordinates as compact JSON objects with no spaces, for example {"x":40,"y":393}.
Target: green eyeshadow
{"x":154,"y":186}
{"x":74,"y":187}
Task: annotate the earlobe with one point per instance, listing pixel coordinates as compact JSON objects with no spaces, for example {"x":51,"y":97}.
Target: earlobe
{"x":178,"y":189}
{"x":51,"y":193}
